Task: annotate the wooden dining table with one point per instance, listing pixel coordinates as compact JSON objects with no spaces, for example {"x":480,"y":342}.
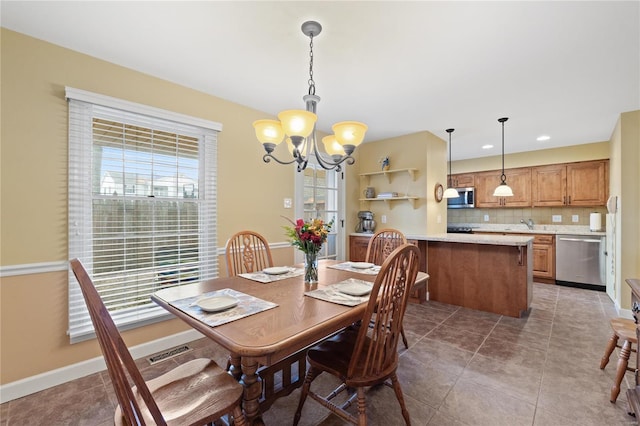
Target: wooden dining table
{"x":265,"y":347}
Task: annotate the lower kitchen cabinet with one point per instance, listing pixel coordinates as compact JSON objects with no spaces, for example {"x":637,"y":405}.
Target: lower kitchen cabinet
{"x":358,"y":247}
{"x":544,"y":258}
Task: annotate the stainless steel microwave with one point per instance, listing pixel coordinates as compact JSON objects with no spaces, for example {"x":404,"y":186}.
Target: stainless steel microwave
{"x":466,"y":200}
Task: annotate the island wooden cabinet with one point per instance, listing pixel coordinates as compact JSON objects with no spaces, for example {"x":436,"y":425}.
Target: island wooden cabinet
{"x":544,"y":255}
{"x":518,"y":179}
{"x":463,"y":180}
{"x":493,"y":278}
{"x":571,"y":184}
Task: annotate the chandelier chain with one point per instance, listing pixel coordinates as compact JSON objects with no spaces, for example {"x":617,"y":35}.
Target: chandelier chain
{"x":312,"y":84}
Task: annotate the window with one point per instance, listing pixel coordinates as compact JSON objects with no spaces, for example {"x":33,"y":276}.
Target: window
{"x":320,"y":194}
{"x":142,"y":205}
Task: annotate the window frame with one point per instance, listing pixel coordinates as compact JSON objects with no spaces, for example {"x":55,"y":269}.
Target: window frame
{"x":83,"y":106}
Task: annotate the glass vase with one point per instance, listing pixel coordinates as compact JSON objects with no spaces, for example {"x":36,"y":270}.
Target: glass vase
{"x":311,"y":267}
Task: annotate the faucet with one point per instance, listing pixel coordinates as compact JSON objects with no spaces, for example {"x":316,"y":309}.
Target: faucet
{"x":529,"y":223}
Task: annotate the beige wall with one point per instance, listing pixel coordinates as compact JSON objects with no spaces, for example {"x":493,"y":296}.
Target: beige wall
{"x":624,"y":182}
{"x":422,"y":151}
{"x":33,"y":308}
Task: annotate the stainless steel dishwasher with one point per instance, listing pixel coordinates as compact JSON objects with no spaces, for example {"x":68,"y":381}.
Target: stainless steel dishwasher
{"x":581,"y":260}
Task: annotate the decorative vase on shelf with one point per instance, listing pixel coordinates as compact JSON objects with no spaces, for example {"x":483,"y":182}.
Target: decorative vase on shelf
{"x":385,"y":163}
{"x":311,"y":267}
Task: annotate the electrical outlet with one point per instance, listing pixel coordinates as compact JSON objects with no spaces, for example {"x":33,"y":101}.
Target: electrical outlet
{"x":439,"y":218}
{"x":556,"y":218}
{"x":486,"y":218}
{"x":287,"y":203}
{"x":575,"y":218}
{"x":383,"y":218}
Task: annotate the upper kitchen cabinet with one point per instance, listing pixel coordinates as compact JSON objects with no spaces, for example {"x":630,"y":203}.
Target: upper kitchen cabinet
{"x":518,"y":179}
{"x":572,"y":184}
{"x":463,"y":180}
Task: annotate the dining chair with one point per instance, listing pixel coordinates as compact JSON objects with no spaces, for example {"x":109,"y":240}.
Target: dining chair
{"x":194,"y":393}
{"x":247,"y":251}
{"x":381,"y":244}
{"x":366,"y":356}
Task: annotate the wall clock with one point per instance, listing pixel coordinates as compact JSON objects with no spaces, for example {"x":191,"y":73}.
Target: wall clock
{"x":438,"y":192}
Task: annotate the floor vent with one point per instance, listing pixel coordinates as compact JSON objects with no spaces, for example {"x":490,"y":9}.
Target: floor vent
{"x":168,"y":354}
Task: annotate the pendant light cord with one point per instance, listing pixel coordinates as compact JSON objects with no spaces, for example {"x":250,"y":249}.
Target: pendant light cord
{"x":449,"y":180}
{"x":503,"y":177}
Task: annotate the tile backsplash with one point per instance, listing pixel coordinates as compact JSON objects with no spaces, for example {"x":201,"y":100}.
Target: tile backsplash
{"x":540,"y":215}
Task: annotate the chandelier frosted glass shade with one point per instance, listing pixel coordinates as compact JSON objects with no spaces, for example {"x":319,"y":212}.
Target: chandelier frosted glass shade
{"x":503,"y":190}
{"x":450,"y":193}
{"x":332,"y":146}
{"x":349,"y":132}
{"x":297,"y":122}
{"x":268,"y":131}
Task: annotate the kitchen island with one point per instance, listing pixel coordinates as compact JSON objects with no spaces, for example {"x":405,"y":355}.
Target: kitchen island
{"x":492,"y":273}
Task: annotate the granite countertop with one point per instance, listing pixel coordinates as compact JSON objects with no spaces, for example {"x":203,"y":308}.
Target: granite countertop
{"x":521,"y":228}
{"x":495,"y":240}
{"x":499,"y":240}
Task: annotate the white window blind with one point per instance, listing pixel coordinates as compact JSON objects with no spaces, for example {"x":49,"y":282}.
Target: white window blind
{"x":142,"y":209}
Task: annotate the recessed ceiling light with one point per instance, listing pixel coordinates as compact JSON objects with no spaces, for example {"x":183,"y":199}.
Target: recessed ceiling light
{"x":487,"y":146}
{"x":543,"y":138}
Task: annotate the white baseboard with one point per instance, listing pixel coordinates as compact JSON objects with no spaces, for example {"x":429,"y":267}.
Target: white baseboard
{"x":33,"y":384}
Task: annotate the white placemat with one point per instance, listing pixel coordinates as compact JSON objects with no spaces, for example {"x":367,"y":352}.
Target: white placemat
{"x":333,"y":294}
{"x":247,"y":305}
{"x":348,"y":266}
{"x":267,"y":278}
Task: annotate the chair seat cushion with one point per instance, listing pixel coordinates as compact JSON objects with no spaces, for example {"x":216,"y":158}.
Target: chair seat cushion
{"x":174,"y":393}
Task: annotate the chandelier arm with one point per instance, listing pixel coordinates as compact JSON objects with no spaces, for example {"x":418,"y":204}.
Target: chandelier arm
{"x":267,"y":159}
{"x":331,"y":165}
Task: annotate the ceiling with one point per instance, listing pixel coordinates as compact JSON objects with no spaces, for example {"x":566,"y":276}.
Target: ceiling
{"x":562,"y":69}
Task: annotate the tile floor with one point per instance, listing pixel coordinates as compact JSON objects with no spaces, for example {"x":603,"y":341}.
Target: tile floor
{"x":463,"y":367}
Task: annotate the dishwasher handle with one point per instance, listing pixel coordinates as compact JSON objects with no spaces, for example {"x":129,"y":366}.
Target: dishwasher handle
{"x":582,"y":240}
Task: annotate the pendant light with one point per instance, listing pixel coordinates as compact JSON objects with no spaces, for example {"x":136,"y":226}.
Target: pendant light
{"x":450,"y":192}
{"x":503,"y":190}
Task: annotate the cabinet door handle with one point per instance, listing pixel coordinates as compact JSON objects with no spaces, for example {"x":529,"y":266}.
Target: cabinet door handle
{"x":569,"y":200}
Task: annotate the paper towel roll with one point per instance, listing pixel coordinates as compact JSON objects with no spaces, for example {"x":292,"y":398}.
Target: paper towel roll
{"x":595,"y":222}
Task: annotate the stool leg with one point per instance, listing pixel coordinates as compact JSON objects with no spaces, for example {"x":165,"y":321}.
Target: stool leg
{"x":607,"y":352}
{"x":623,"y":362}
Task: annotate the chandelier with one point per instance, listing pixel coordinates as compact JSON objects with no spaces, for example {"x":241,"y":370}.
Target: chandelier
{"x":299,"y":128}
